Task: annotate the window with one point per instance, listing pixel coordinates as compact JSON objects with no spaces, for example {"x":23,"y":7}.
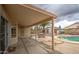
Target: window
{"x":13,"y":31}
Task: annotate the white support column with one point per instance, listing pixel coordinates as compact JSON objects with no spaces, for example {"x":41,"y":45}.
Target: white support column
{"x":52,"y":34}
{"x":36,"y":32}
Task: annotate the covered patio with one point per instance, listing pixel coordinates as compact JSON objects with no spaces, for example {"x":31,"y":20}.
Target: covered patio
{"x":22,"y":17}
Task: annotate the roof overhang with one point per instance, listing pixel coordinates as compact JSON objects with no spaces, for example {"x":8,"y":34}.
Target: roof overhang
{"x":26,"y":15}
{"x":73,"y":26}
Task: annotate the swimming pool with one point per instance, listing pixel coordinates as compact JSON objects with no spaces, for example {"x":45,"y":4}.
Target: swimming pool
{"x":72,"y":38}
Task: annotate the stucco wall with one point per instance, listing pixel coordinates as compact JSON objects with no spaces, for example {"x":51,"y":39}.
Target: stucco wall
{"x":24,"y":32}
{"x":11,"y":40}
{"x":0,"y":10}
{"x":27,"y":32}
{"x":21,"y":32}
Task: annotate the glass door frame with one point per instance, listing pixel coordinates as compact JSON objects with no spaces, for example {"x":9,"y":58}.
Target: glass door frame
{"x":3,"y":34}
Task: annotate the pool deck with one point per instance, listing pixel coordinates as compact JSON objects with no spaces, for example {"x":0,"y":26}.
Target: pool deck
{"x":61,"y":46}
{"x":68,"y":48}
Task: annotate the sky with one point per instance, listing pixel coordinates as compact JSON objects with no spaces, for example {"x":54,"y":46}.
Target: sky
{"x":67,"y":14}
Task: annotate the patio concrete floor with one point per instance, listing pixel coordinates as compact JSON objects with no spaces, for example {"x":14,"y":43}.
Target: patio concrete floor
{"x":31,"y":46}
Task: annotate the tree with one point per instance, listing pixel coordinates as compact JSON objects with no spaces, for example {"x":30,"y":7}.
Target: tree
{"x":44,"y":24}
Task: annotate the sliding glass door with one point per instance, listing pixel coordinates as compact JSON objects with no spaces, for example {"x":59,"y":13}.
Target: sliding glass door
{"x":3,"y":34}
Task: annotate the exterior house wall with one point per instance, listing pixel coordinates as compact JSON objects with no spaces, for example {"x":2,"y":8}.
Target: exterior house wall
{"x":11,"y":40}
{"x":24,"y":32}
{"x":21,"y":32}
{"x":27,"y":32}
{"x":72,"y":31}
{"x":0,"y":10}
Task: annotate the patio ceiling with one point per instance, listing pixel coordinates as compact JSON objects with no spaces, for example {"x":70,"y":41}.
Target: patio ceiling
{"x":26,"y":15}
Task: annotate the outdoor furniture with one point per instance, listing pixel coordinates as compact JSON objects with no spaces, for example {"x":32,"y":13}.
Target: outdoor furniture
{"x":41,"y":35}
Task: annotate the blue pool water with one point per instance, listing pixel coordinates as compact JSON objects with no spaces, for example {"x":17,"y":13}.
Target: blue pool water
{"x":72,"y":38}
